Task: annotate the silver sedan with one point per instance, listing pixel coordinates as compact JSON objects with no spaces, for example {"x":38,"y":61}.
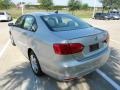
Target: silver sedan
{"x":59,"y":44}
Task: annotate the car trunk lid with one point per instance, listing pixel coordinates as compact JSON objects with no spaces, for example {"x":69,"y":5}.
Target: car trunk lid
{"x":72,"y":34}
{"x":91,"y":38}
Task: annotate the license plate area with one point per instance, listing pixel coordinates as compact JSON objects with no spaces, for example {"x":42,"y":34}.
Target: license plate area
{"x":94,"y":47}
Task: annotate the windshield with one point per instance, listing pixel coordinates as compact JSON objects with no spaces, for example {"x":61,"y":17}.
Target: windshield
{"x":64,"y":22}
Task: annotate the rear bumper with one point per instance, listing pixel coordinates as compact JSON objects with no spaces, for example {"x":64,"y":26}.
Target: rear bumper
{"x":77,"y":69}
{"x":116,"y":18}
{"x":107,"y":17}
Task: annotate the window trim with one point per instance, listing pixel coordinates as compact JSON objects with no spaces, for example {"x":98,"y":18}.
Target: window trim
{"x":46,"y":24}
{"x":21,"y":23}
{"x":35,"y":21}
{"x":21,"y":26}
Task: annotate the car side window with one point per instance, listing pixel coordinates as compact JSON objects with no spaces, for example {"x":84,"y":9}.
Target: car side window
{"x":19,"y":22}
{"x":30,"y":23}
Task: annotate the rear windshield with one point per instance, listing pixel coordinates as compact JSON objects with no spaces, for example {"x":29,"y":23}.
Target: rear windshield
{"x":98,"y":13}
{"x":64,"y":22}
{"x":115,"y":12}
{"x":1,"y":13}
{"x":101,"y":13}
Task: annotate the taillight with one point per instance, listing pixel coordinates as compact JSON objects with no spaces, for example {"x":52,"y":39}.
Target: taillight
{"x":68,"y":48}
{"x":107,"y":39}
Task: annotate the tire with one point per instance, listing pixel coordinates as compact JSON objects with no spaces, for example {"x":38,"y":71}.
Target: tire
{"x":112,"y":19}
{"x":12,"y":40}
{"x":35,"y":64}
{"x":102,"y":18}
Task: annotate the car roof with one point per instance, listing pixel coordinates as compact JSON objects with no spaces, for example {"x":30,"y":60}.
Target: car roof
{"x":43,"y":13}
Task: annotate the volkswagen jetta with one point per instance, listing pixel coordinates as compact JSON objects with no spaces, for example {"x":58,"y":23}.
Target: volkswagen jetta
{"x":59,"y":44}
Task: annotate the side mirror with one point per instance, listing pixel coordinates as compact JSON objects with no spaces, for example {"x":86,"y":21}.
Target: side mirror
{"x":11,"y":24}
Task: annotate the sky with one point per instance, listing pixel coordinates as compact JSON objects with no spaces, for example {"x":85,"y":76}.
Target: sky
{"x":64,"y":2}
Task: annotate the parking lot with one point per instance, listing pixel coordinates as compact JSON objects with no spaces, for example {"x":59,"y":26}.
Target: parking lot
{"x":16,"y":73}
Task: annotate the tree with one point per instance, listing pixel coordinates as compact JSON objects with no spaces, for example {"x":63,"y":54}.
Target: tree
{"x":5,"y":4}
{"x":85,"y":6}
{"x":46,"y":4}
{"x":74,"y":5}
{"x":105,"y":4}
{"x":110,"y":4}
{"x":115,"y":4}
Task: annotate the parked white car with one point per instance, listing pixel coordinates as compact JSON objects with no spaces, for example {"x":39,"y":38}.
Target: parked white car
{"x":4,"y":16}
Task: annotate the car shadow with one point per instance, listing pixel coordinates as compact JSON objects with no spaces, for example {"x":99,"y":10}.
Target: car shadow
{"x":6,"y":21}
{"x":22,"y":78}
{"x":114,"y":56}
{"x":112,"y":67}
{"x":115,"y":52}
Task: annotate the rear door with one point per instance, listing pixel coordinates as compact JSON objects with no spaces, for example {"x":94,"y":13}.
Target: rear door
{"x":28,"y":29}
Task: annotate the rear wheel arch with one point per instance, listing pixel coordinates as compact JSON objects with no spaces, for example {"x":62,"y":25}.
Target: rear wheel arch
{"x":29,"y":50}
{"x":40,"y":73}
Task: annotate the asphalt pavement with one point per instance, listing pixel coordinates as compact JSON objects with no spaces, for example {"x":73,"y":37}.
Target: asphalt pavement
{"x":16,"y":73}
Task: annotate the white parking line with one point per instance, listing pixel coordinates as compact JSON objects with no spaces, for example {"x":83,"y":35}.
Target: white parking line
{"x":113,"y":83}
{"x":114,"y":57}
{"x":4,"y":48}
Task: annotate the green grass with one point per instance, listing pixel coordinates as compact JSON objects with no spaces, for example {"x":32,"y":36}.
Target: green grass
{"x":83,"y":14}
{"x":79,"y":13}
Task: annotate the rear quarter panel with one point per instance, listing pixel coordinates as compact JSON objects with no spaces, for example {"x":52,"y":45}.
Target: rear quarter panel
{"x":42,"y":44}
